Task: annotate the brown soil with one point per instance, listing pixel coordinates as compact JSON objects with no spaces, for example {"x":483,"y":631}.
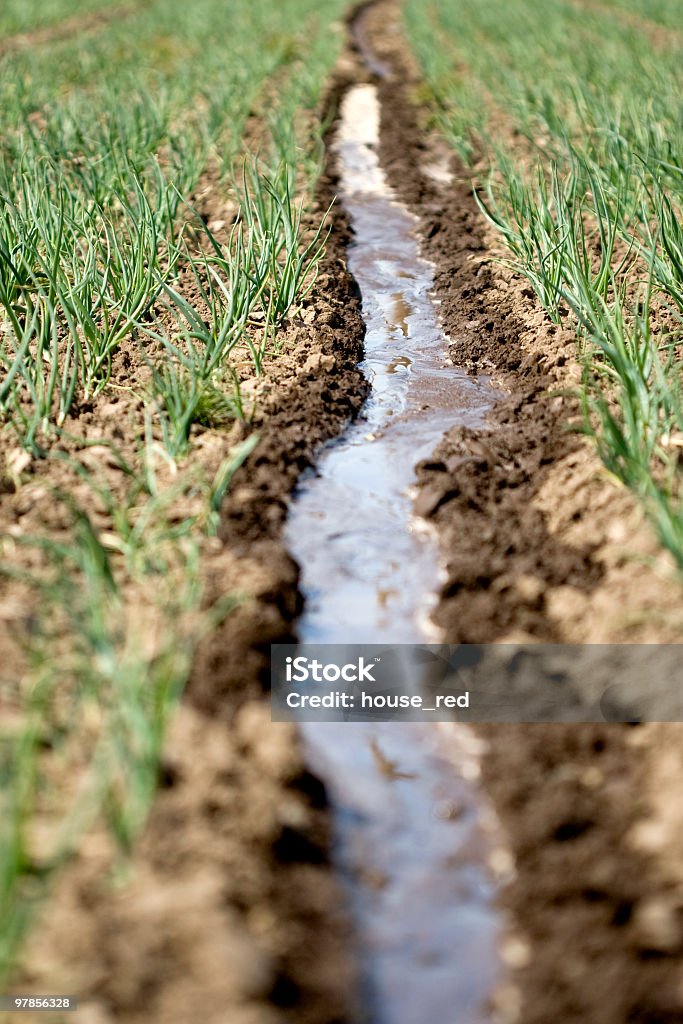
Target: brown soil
{"x":542,"y":545}
{"x":227,"y":909}
{"x":530,"y":490}
{"x":310,"y":393}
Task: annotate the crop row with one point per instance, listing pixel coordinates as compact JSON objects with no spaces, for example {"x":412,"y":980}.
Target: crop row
{"x":110,"y":142}
{"x":573,"y":122}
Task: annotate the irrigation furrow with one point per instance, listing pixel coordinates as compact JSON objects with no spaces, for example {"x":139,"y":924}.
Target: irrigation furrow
{"x":414,"y":838}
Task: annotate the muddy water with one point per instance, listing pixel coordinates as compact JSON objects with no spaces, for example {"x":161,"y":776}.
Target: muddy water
{"x":370,"y":571}
{"x":414,"y":840}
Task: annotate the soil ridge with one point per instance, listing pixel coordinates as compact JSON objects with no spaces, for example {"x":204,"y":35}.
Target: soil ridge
{"x":570,"y":798}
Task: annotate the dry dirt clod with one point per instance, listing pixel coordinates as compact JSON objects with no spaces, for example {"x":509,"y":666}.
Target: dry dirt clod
{"x":658,"y":926}
{"x":317,"y":362}
{"x":273,"y":744}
